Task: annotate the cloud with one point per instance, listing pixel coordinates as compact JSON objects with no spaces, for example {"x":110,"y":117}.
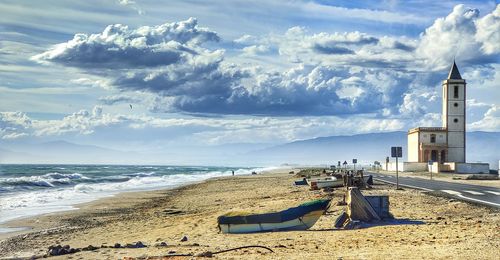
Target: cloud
{"x":254,"y":50}
{"x":329,"y":11}
{"x":461,"y":35}
{"x":132,"y":4}
{"x":350,"y":48}
{"x":490,"y":121}
{"x":188,"y":130}
{"x":14,"y":125}
{"x":488,"y":32}
{"x":120,"y":47}
{"x":115,"y":99}
{"x":324,"y":49}
{"x":334,"y":74}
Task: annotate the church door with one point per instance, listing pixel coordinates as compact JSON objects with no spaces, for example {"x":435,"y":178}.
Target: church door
{"x":434,"y":155}
{"x":443,"y":156}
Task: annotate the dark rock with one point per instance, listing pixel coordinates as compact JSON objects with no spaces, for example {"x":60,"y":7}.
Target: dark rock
{"x":205,"y":254}
{"x":139,"y":244}
{"x":161,"y":244}
{"x":117,"y":245}
{"x":90,"y":248}
{"x":184,"y":239}
{"x":54,"y":250}
{"x":196,"y":244}
{"x":171,"y":252}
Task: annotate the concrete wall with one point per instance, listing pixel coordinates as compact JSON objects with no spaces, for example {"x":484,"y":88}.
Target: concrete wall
{"x":435,"y":167}
{"x":448,"y":167}
{"x":413,"y":147}
{"x":414,"y":167}
{"x":406,"y":166}
{"x":472,"y":168}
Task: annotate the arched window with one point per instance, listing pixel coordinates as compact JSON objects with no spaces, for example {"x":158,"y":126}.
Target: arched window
{"x":455,"y":92}
{"x":433,"y":138}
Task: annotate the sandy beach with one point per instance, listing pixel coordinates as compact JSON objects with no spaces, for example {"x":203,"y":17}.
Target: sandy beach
{"x":426,"y":227}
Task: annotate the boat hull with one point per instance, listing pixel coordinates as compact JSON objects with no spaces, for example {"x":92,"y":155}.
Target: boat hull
{"x":326,"y":182}
{"x":301,"y":223}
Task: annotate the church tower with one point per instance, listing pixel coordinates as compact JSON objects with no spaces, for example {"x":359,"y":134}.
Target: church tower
{"x":454,"y":100}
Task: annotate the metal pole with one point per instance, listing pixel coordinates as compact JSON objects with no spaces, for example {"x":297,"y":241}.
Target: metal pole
{"x":397,"y":174}
{"x":431,"y":169}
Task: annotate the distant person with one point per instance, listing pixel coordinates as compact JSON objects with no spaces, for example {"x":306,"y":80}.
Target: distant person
{"x":232,"y":172}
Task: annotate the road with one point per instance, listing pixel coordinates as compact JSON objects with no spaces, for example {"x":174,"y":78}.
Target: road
{"x":488,"y":196}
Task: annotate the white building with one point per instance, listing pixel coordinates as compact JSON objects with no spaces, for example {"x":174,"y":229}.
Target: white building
{"x":447,"y":143}
{"x":443,"y":148}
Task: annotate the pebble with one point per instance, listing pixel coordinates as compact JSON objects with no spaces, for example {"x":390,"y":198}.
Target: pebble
{"x":184,"y":239}
{"x":161,"y":244}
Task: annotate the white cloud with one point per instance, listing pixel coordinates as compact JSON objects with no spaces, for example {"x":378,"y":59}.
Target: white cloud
{"x":488,"y":32}
{"x":461,"y":35}
{"x":337,"y":73}
{"x":490,"y":121}
{"x":254,"y":50}
{"x":330,"y":11}
{"x":120,"y":47}
{"x":132,"y":4}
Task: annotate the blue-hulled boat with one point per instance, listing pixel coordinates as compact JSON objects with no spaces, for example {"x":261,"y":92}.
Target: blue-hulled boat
{"x":301,"y":217}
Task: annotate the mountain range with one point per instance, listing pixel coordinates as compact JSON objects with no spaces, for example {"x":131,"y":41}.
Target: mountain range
{"x":366,"y":148}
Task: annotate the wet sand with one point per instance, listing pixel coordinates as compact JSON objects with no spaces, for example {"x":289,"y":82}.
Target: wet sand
{"x":426,"y":227}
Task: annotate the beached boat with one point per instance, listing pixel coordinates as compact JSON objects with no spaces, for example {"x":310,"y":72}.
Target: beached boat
{"x":298,"y":218}
{"x":301,"y":182}
{"x":326,"y":182}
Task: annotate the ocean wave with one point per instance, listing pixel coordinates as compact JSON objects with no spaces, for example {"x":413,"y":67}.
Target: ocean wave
{"x":47,"y":180}
{"x":63,"y":190}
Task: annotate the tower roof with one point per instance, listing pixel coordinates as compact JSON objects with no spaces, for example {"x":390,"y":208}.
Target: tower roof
{"x":454,"y":73}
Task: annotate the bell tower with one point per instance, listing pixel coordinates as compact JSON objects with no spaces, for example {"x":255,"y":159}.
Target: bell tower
{"x":454,"y":99}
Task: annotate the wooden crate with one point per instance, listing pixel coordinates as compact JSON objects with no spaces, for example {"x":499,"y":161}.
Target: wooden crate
{"x":380,"y":204}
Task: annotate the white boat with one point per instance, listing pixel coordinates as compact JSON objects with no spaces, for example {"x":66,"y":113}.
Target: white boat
{"x":299,"y":218}
{"x":321,"y":183}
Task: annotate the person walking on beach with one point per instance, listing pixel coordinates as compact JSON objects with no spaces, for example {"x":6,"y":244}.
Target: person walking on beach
{"x":232,"y":172}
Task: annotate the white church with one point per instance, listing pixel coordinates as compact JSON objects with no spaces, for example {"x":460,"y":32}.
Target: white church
{"x":443,"y":149}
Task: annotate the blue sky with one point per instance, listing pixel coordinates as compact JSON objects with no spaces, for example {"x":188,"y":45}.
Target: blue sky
{"x":139,"y":75}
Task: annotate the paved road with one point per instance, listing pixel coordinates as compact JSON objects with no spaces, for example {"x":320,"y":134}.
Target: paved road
{"x":488,"y":196}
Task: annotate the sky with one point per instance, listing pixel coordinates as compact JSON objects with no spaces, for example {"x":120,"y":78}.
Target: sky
{"x":153,"y":75}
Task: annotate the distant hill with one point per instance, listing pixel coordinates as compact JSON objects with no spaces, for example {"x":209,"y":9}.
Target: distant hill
{"x":59,"y":152}
{"x":481,"y":146}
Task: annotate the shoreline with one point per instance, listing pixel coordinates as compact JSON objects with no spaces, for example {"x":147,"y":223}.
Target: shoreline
{"x":28,"y":224}
{"x":425,"y":226}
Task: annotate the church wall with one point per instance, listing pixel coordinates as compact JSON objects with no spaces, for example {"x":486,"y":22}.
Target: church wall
{"x":451,"y":89}
{"x":456,"y":108}
{"x":425,"y":137}
{"x":456,"y":154}
{"x":413,"y":147}
{"x":456,"y":126}
{"x":456,"y":139}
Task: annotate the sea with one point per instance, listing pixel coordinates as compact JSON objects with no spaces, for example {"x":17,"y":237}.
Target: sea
{"x":30,"y":190}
